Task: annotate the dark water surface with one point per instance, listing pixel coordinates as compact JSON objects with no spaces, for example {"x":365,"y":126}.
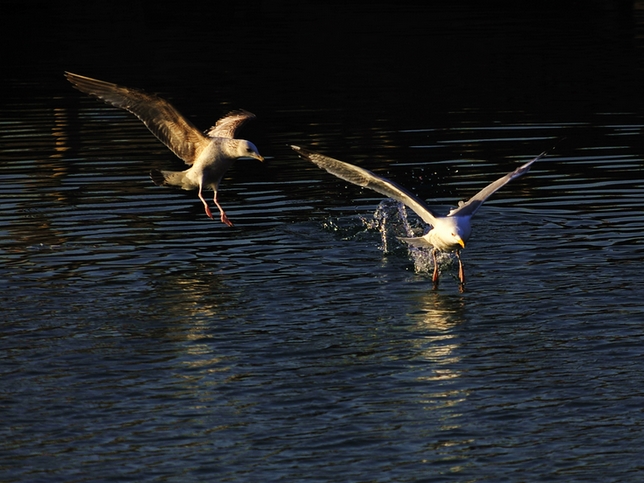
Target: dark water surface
{"x":140,"y":341}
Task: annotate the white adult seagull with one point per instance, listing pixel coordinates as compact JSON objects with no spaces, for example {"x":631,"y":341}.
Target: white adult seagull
{"x":210,"y":154}
{"x":449,"y":233}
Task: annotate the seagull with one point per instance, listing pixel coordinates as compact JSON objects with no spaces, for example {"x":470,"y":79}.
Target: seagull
{"x":448,"y":233}
{"x":209,"y":155}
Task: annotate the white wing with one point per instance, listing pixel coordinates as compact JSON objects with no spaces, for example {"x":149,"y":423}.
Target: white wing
{"x":362,"y":177}
{"x":470,"y":207}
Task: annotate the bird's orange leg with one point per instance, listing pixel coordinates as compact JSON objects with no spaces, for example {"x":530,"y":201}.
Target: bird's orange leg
{"x":205,"y":205}
{"x":461,"y":271}
{"x":435,"y":274}
{"x":224,"y":218}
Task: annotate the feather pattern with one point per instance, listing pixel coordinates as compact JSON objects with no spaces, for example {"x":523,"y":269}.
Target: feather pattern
{"x":209,"y":155}
{"x":449,"y":233}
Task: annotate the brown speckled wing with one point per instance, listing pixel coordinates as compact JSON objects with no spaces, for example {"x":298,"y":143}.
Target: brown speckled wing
{"x":228,"y":125}
{"x":160,"y":117}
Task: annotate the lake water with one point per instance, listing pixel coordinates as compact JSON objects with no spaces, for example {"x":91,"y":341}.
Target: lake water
{"x":141,"y":341}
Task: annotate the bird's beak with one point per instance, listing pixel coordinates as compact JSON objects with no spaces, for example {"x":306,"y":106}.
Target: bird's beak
{"x":253,"y":156}
{"x":461,"y":242}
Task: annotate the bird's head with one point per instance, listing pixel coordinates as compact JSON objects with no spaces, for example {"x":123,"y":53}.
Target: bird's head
{"x":451,"y":233}
{"x":458,"y":240}
{"x":247,"y":150}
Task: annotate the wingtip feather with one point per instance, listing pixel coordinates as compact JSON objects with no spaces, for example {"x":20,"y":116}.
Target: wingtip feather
{"x":303,"y":152}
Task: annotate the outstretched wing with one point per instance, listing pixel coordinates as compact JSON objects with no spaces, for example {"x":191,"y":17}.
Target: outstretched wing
{"x":470,"y":207}
{"x":362,"y":177}
{"x":160,"y":117}
{"x":228,"y":125}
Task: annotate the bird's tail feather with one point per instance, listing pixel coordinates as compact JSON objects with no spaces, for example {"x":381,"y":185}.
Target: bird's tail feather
{"x":417,"y":241}
{"x":169,"y":178}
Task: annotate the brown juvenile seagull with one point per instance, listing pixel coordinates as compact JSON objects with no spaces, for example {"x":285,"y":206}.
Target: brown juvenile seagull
{"x":209,"y":155}
{"x":449,"y":233}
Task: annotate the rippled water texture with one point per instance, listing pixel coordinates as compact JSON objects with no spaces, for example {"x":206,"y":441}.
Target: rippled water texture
{"x":141,"y":341}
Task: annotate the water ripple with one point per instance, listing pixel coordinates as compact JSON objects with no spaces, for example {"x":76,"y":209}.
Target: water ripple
{"x":307,"y":336}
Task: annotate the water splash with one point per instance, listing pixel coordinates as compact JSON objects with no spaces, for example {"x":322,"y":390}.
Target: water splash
{"x":391,"y":220}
